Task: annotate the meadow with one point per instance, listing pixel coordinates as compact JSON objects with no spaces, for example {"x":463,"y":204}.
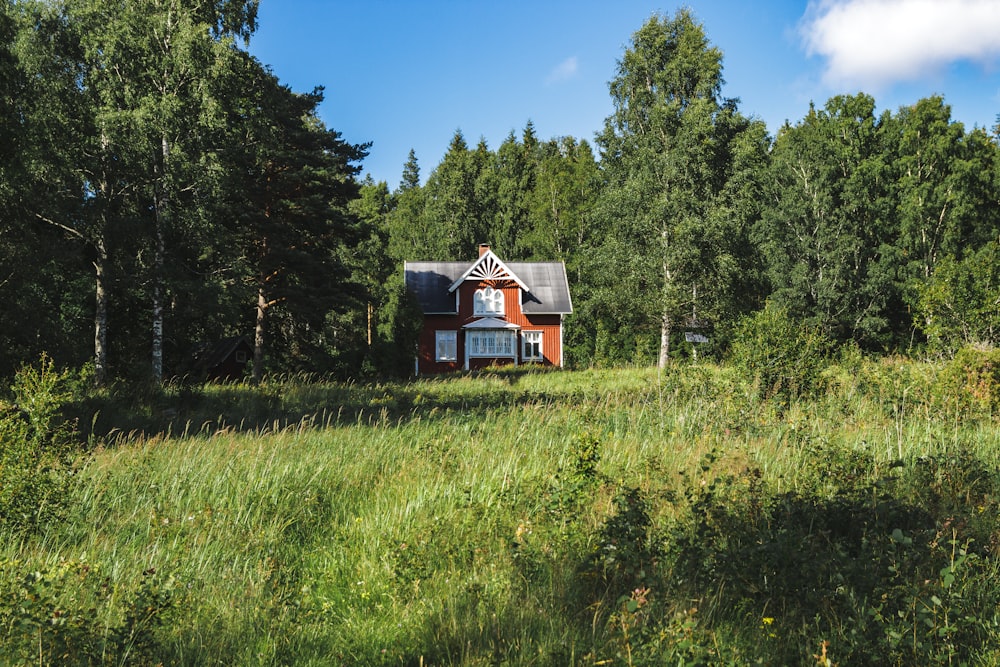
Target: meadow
{"x":523,"y":517}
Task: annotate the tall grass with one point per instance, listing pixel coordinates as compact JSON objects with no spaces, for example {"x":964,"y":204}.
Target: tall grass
{"x":505,"y":517}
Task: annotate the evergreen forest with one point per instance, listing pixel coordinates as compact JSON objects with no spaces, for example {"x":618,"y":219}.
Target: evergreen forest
{"x":160,"y":188}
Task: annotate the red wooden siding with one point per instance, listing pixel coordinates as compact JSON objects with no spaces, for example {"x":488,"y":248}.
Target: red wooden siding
{"x":549,"y":325}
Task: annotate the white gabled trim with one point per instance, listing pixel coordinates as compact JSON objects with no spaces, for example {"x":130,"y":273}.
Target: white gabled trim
{"x":569,"y":293}
{"x":489,"y":267}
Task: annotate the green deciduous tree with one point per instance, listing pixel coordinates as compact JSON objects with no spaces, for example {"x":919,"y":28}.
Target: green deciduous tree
{"x":46,"y":180}
{"x":666,"y":153}
{"x":134,"y":87}
{"x":946,"y":203}
{"x":826,"y":230}
{"x":959,"y":304}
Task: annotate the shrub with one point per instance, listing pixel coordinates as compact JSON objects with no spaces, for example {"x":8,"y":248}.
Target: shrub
{"x":781,"y":356}
{"x":38,"y":447}
{"x":957,"y":305}
{"x":69,"y":614}
{"x":972,"y":378}
{"x":890,"y":565}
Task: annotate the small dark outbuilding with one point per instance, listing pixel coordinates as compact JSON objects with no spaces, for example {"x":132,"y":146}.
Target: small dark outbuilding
{"x":224,"y":360}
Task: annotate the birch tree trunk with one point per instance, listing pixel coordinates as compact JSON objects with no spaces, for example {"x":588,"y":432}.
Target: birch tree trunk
{"x":665,"y":328}
{"x":100,"y":312}
{"x":161,"y":220}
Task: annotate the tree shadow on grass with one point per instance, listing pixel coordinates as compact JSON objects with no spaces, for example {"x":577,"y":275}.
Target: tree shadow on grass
{"x":892,"y":568}
{"x":199,"y":409}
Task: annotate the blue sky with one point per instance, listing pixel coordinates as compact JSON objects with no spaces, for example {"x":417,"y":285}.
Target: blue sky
{"x":407,"y":74}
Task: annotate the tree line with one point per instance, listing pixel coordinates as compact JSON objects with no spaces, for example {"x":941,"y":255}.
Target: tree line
{"x":160,"y":187}
{"x":878,"y":229}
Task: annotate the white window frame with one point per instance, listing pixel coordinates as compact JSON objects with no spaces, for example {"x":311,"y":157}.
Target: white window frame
{"x":532,"y":338}
{"x":488,"y":301}
{"x":491,"y":343}
{"x":445,"y":345}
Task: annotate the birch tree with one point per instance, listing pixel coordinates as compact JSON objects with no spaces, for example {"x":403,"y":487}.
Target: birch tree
{"x":666,"y":151}
{"x":149,"y":70}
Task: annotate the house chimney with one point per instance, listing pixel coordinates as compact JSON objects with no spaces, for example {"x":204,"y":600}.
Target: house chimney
{"x":483,"y":248}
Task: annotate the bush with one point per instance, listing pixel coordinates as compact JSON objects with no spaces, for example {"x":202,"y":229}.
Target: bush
{"x":38,"y":447}
{"x":890,"y":565}
{"x":972,"y":378}
{"x":781,"y":356}
{"x":70,"y":614}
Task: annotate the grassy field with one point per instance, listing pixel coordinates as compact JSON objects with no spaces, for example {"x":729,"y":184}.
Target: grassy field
{"x":599,"y":517}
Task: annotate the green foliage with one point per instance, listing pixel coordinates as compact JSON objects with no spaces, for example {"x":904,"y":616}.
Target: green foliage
{"x":782,"y":356}
{"x":398,"y":330}
{"x":827,"y":238}
{"x":196,"y":172}
{"x":972,"y":381}
{"x":38,"y":448}
{"x":626,"y":553}
{"x":959,"y":304}
{"x":670,"y":227}
{"x":453,"y":218}
{"x":878,"y":560}
{"x":525,"y":517}
{"x":72,"y":614}
{"x":945,"y":184}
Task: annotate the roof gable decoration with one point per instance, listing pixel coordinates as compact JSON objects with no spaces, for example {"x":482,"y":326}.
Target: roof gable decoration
{"x":488,"y":267}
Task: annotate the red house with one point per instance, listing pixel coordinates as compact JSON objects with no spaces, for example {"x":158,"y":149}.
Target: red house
{"x":488,"y":312}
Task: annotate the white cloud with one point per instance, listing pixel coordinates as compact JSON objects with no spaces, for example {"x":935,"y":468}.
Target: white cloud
{"x":564,"y":71}
{"x":877,"y":42}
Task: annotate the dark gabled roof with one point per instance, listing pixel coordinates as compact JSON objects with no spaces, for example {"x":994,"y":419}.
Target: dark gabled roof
{"x":210,"y":355}
{"x":429,"y":282}
{"x":548,"y":287}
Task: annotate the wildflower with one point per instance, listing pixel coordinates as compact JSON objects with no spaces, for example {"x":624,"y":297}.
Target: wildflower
{"x":523,"y":528}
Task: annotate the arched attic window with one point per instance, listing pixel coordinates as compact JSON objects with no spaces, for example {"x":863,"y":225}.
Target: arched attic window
{"x":487,"y":301}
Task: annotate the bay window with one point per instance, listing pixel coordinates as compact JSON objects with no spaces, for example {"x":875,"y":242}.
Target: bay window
{"x":491,"y":343}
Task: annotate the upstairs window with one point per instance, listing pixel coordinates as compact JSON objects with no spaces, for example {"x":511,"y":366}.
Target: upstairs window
{"x":487,"y":301}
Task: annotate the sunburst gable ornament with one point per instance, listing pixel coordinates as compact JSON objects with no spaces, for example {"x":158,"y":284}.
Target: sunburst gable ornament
{"x":490,"y":269}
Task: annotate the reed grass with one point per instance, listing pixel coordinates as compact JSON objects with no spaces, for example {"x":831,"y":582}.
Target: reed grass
{"x":438,"y":521}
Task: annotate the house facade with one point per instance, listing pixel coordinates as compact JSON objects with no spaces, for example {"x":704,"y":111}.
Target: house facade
{"x":488,"y":312}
